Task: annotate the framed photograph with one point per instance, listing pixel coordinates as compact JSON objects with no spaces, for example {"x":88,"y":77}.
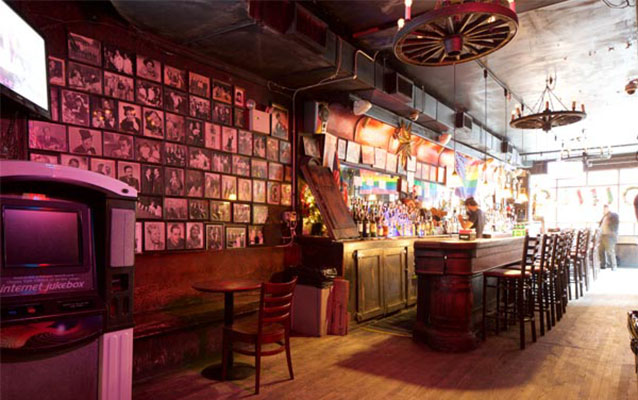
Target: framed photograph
{"x":220,"y":211}
{"x":81,"y":162}
{"x":194,"y":183}
{"x":274,"y":192}
{"x":174,"y":181}
{"x":260,"y":214}
{"x":199,"y":85}
{"x":212,"y":186}
{"x":354,"y":152}
{"x":311,"y":147}
{"x":229,"y":187}
{"x":119,"y":86}
{"x":57,"y":74}
{"x":433,"y":171}
{"x":104,"y":167}
{"x":85,"y":141}
{"x":259,"y":168}
{"x":175,"y":236}
{"x":239,"y":118}
{"x":223,"y":114}
{"x":175,"y":154}
{"x":85,"y":78}
{"x":214,"y":237}
{"x":245,"y":143}
{"x":199,"y":107}
{"x":235,"y":237}
{"x":44,"y":158}
{"x":244,"y":189}
{"x":222,"y":162}
{"x":222,"y":91}
{"x":154,"y":236}
{"x":195,"y":132}
{"x":440,"y":175}
{"x":425,"y":172}
{"x":391,"y":163}
{"x":400,"y":169}
{"x":149,"y":93}
{"x":275,"y":172}
{"x":75,"y":108}
{"x":103,"y":113}
{"x":118,"y":146}
{"x":47,"y":136}
{"x":287,"y":173}
{"x":152,"y":180}
{"x":194,"y":235}
{"x":148,"y":150}
{"x":130,"y":118}
{"x":175,"y":101}
{"x":175,"y":208}
{"x":139,"y":235}
{"x":255,"y":235}
{"x":175,"y":127}
{"x":367,"y":155}
{"x":148,"y":207}
{"x":199,"y":158}
{"x":241,"y":165}
{"x":379,"y":158}
{"x":259,"y":146}
{"x":279,"y":123}
{"x":285,"y":153}
{"x":118,"y":60}
{"x":329,"y":150}
{"x":240,"y":97}
{"x":153,"y":123}
{"x":229,"y":139}
{"x":54,"y":94}
{"x":286,"y":194}
{"x":129,"y":173}
{"x":259,"y":191}
{"x":272,"y":149}
{"x":149,"y":68}
{"x":82,"y":48}
{"x":341,"y":148}
{"x":213,"y":136}
{"x":174,"y":77}
{"x":241,"y":213}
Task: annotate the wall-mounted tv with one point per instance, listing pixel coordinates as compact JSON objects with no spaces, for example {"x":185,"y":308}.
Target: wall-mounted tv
{"x":23,"y":63}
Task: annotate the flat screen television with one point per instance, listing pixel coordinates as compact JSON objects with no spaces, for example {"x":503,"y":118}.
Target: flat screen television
{"x":23,"y":63}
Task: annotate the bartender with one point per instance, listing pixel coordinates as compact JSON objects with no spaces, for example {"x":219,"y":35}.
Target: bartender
{"x":475,"y":217}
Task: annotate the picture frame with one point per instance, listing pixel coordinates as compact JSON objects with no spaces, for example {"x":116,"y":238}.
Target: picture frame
{"x":129,"y":173}
{"x":260,"y":214}
{"x":212,"y":185}
{"x":279,"y":122}
{"x":174,"y":77}
{"x":215,"y":237}
{"x":149,"y":207}
{"x":229,"y":139}
{"x":241,"y":165}
{"x":75,"y":107}
{"x":229,"y":187}
{"x":354,"y":152}
{"x":274,"y":192}
{"x":259,"y":146}
{"x":153,"y":123}
{"x":285,"y":152}
{"x":329,"y":150}
{"x":286,"y":194}
{"x":175,"y":208}
{"x":240,"y":97}
{"x":259,"y":191}
{"x":391,"y":163}
{"x":118,"y":60}
{"x":154,"y":236}
{"x":175,"y":154}
{"x":367,"y":155}
{"x":272,"y":149}
{"x":244,"y":189}
{"x":220,"y":211}
{"x":119,"y":86}
{"x":84,"y":77}
{"x":149,"y":93}
{"x":176,"y":101}
{"x":213,"y":138}
{"x":103,"y":113}
{"x":222,"y":92}
{"x":199,"y":107}
{"x":239,"y":118}
{"x":311,"y":147}
{"x":342,"y":145}
{"x":44,"y":158}
{"x":148,"y":150}
{"x":152,"y":179}
{"x":139,"y":237}
{"x":194,"y":235}
{"x":148,"y":68}
{"x":223,"y":114}
{"x":259,"y":168}
{"x":275,"y":172}
{"x":130,"y":118}
{"x":245,"y":143}
{"x":75,"y":161}
{"x":255,"y":235}
{"x":198,"y":209}
{"x":380,"y":156}
{"x":199,"y":158}
{"x":103,"y":166}
{"x":175,"y":236}
{"x":57,"y":71}
{"x":174,"y":184}
{"x":195,"y":132}
{"x":241,"y":213}
{"x":198,"y":85}
{"x":85,"y":141}
{"x":222,"y":162}
{"x":194,"y":183}
{"x":235,"y":237}
{"x":54,"y":94}
{"x":47,"y":136}
{"x":84,"y":49}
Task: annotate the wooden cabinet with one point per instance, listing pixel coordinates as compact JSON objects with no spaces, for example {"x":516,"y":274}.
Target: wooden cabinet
{"x":394,"y":278}
{"x":370,"y":283}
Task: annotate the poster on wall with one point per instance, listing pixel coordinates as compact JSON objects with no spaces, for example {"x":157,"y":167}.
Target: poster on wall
{"x":341,"y":149}
{"x":380,"y":156}
{"x":367,"y":154}
{"x":329,"y":150}
{"x":354,"y":152}
{"x":391,"y":163}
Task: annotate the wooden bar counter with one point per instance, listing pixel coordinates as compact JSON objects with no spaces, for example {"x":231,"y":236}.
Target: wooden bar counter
{"x":450,"y":287}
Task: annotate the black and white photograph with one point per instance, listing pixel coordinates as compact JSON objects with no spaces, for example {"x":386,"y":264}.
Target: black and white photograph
{"x":214,"y":237}
{"x":175,"y":208}
{"x":285,"y":152}
{"x":272,"y":149}
{"x":259,"y":191}
{"x":199,"y":107}
{"x":175,"y":236}
{"x":148,"y":93}
{"x":175,"y":154}
{"x":244,"y":189}
{"x":149,"y":208}
{"x":54,"y":95}
{"x":222,"y":162}
{"x":255,"y":235}
{"x":173,"y":181}
{"x":118,"y":60}
{"x":175,"y":101}
{"x":175,"y":127}
{"x":342,"y":144}
{"x":82,"y":48}
{"x":119,"y":86}
{"x":220,"y":211}
{"x":259,"y":168}
{"x":353,"y":154}
{"x":199,"y":158}
{"x":152,"y":180}
{"x":241,"y":165}
{"x":153,"y":123}
{"x":311,"y":147}
{"x":47,"y":136}
{"x":194,"y":235}
{"x":154,"y":236}
{"x":241,"y":213}
{"x":274,"y":192}
{"x":286,"y":194}
{"x":118,"y":146}
{"x":102,"y":166}
{"x":149,"y":68}
{"x":229,"y":139}
{"x":240,"y":97}
{"x":239,"y":118}
{"x":287,"y":173}
{"x":57,"y":75}
{"x":103,"y":113}
{"x":259,"y":146}
{"x":139,"y":235}
{"x":174,"y":77}
{"x":279,"y":123}
{"x":275,"y":172}
{"x":129,"y":173}
{"x":194,"y":183}
{"x":71,"y":160}
{"x":75,"y":108}
{"x":199,"y":85}
{"x":198,"y":209}
{"x":229,"y":187}
{"x":212,"y":186}
{"x":148,"y":150}
{"x":44,"y":158}
{"x":85,"y":141}
{"x":222,"y":91}
{"x":213,"y":138}
{"x":235,"y":237}
{"x":245,"y":143}
{"x":195,"y":132}
{"x":260,"y":214}
{"x":130,"y":116}
{"x":223,"y":114}
{"x":85,"y":78}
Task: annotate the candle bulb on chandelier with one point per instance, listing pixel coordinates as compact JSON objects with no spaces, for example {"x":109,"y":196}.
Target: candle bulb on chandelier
{"x":546,"y":105}
{"x":518,"y":111}
{"x":582,"y":107}
{"x":573,"y":106}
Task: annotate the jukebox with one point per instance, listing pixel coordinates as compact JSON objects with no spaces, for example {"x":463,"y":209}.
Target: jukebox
{"x":66,"y":283}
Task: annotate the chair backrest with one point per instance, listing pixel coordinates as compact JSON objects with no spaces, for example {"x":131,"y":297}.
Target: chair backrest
{"x":275,"y":303}
{"x":582,"y":242}
{"x":530,"y":248}
{"x":547,"y":245}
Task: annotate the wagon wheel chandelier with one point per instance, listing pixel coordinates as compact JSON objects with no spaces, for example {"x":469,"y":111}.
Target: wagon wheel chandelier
{"x":455,"y":32}
{"x":550,"y":117}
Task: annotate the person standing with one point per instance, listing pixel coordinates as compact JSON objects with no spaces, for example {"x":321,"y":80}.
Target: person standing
{"x":609,"y":236}
{"x":475,"y":217}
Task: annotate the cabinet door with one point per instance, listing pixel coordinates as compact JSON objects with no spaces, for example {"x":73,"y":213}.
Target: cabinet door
{"x":394,"y":271}
{"x":411,"y":278}
{"x":369,"y":265}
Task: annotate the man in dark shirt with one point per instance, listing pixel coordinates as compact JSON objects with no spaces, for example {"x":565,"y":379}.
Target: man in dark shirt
{"x":608,"y":238}
{"x":86,"y":146}
{"x":475,"y":217}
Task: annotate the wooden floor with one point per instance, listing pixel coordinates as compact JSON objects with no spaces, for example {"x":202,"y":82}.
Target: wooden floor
{"x":586,"y":356}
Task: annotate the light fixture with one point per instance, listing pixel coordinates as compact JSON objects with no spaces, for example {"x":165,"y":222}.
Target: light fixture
{"x":455,"y":32}
{"x":360,"y":107}
{"x":455,"y":179}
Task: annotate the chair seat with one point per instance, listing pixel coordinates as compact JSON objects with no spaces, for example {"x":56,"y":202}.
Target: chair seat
{"x":248,"y":327}
{"x":505,"y":273}
{"x":536,"y":269}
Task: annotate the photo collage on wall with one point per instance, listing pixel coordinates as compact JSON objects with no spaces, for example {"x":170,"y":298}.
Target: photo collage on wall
{"x":178,"y":137}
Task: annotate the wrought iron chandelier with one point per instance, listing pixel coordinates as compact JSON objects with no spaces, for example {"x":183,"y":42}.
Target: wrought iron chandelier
{"x":455,"y":31}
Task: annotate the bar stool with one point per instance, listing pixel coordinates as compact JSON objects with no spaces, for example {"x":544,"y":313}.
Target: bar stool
{"x":518,"y":281}
{"x":576,"y":258}
{"x":568,"y":246}
{"x":559,"y":264}
{"x":592,"y":251}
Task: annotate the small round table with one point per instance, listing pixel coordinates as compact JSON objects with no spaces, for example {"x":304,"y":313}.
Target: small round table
{"x":228,"y":287}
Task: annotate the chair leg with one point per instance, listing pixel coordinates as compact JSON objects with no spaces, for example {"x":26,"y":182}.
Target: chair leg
{"x":552,"y":297}
{"x":498,"y":306}
{"x":288,"y":356}
{"x":531,"y":314}
{"x":541,"y":306}
{"x":257,"y":365}
{"x":225,"y":354}
{"x":521,"y":314}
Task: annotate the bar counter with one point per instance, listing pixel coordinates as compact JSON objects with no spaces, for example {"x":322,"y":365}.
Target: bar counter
{"x":450,"y":287}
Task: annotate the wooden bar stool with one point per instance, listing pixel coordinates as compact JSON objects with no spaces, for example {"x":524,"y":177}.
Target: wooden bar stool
{"x":577,"y":258}
{"x":559,"y":255}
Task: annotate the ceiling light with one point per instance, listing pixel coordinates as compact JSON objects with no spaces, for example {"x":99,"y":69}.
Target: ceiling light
{"x":360,"y":107}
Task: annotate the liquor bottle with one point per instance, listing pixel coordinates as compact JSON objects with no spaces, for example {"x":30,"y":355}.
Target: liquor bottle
{"x":365,"y":225}
{"x":372,"y":223}
{"x":359,"y":223}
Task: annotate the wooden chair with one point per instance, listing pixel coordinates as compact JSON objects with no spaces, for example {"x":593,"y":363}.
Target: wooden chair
{"x":592,"y":252}
{"x":272,"y":326}
{"x":560,"y":256}
{"x":578,"y":257}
